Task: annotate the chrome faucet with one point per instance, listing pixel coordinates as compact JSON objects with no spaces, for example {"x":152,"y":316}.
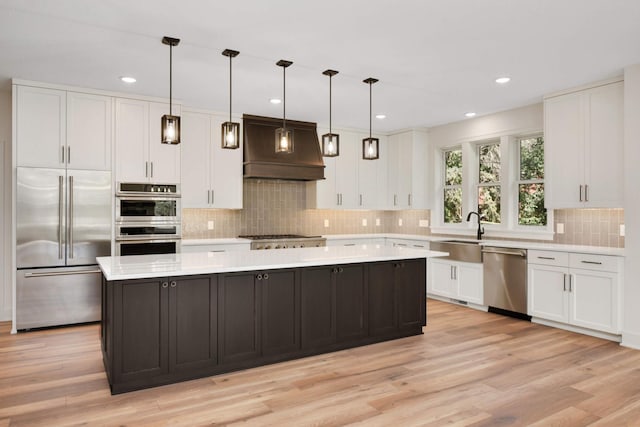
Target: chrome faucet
{"x":480,"y":228}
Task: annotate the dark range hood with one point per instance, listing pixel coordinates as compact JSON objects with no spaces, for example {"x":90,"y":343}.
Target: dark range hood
{"x":262,"y":161}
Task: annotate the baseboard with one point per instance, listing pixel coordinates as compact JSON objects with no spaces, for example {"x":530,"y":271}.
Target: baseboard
{"x":630,"y":340}
{"x":458,"y":302}
{"x":577,"y":329}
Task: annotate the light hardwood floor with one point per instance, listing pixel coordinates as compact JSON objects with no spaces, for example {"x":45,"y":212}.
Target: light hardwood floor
{"x":468,"y":369}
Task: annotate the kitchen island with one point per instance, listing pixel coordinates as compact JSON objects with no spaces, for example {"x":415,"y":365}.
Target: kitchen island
{"x":170,"y":318}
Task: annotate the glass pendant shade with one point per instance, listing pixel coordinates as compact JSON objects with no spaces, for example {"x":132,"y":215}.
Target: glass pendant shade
{"x":170,"y":129}
{"x":230,"y":135}
{"x":284,"y":140}
{"x":330,"y":145}
{"x":370,"y":149}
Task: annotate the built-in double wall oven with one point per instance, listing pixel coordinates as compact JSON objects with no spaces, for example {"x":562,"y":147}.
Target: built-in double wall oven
{"x":147,"y":219}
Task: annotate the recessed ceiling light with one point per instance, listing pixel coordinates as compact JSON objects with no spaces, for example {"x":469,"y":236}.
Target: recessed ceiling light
{"x":128,"y":79}
{"x":503,"y":80}
{"x":381,"y":116}
{"x":469,"y":114}
{"x":275,"y":101}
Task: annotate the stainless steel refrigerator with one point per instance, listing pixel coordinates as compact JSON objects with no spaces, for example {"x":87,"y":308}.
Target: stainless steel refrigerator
{"x":63,"y":223}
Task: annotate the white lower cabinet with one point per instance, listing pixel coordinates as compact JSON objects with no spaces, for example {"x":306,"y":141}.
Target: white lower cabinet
{"x":581,"y":290}
{"x":457,"y":280}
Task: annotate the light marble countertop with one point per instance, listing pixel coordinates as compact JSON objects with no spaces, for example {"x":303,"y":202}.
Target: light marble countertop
{"x":183,"y":264}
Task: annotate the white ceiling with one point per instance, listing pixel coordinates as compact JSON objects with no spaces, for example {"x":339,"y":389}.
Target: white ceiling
{"x":435,"y":59}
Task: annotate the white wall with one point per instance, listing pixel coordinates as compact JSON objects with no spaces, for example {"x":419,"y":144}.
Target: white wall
{"x":518,"y":121}
{"x":631,"y":296}
{"x":5,"y":206}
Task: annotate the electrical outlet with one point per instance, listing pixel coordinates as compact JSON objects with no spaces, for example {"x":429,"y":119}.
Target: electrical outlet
{"x":209,"y":225}
{"x":377,"y":222}
{"x":622,"y":230}
{"x":423,"y":223}
{"x":326,"y":223}
{"x":560,"y":228}
{"x":399,"y":222}
{"x":364,"y":222}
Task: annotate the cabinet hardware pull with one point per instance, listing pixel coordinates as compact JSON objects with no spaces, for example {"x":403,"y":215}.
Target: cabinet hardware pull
{"x":409,"y":199}
{"x":165,"y":284}
{"x":68,"y":154}
{"x":591,"y":262}
{"x":265,"y":276}
{"x":547,"y":257}
{"x":451,"y":272}
{"x":586,"y":192}
{"x":338,"y":199}
{"x":259,"y":277}
{"x":213,"y":197}
{"x":395,"y":200}
{"x":580,"y":192}
{"x":361,"y":200}
{"x":334,"y":270}
{"x":173,"y":283}
{"x":62,"y":148}
{"x":151,"y":169}
{"x":564,"y":282}
{"x":146,"y":169}
{"x":455,"y":272}
{"x":340,"y":269}
{"x":570,"y":282}
{"x":208,"y":196}
{"x":65,"y":273}
{"x":349,"y":244}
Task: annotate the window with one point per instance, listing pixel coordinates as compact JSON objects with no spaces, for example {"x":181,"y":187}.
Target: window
{"x":489,"y":182}
{"x":453,"y":186}
{"x":531,"y":209}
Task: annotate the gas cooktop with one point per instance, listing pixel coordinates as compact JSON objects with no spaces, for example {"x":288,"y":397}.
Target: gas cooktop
{"x":276,"y":236}
{"x":284,"y":241}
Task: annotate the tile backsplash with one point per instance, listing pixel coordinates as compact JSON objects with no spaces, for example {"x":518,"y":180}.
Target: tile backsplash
{"x":279,"y":207}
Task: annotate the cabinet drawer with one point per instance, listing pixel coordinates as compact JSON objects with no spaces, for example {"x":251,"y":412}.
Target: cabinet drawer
{"x":560,"y":259}
{"x":594,"y":262}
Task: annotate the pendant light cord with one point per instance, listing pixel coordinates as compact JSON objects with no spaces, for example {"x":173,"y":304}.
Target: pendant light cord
{"x":284,"y":97}
{"x":330,"y":132}
{"x":370,"y":109}
{"x":170,"y":79}
{"x":230,"y":85}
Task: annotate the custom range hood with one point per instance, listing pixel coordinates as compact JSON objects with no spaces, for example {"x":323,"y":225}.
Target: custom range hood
{"x":261,"y":160}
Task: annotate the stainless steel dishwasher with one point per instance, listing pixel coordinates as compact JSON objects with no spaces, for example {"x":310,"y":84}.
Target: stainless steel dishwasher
{"x":505,"y":280}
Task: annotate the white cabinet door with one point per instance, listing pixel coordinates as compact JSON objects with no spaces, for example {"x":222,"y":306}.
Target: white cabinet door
{"x":89,"y":131}
{"x":604,"y":147}
{"x":548,"y":292}
{"x":40,"y":127}
{"x":347,"y":171}
{"x":469,"y":280}
{"x":420,"y":172}
{"x":372,"y":177}
{"x":163,"y":158}
{"x":196,"y":141}
{"x":226,"y":170}
{"x":326,"y":194}
{"x":594,"y":300}
{"x":441,"y":276}
{"x":132,"y":140}
{"x":564,"y":150}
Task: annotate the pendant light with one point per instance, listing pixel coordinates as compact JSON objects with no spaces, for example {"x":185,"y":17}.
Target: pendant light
{"x":284,"y":136}
{"x":330,"y":141}
{"x":230,"y":129}
{"x":170,"y":130}
{"x":370,"y":146}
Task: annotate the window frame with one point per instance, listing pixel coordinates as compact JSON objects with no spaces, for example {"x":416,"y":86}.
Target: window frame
{"x":499,"y":184}
{"x":446,"y":187}
{"x":518,"y":182}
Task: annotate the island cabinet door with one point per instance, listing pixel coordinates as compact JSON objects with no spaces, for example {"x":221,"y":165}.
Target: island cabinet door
{"x":193,"y":323}
{"x":238,"y":314}
{"x":141,"y":329}
{"x":318,"y":319}
{"x":351,"y":302}
{"x":410,"y":287}
{"x":280,"y":312}
{"x":383,"y":319}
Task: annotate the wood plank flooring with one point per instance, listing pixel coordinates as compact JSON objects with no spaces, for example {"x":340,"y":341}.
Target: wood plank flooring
{"x":468,"y":369}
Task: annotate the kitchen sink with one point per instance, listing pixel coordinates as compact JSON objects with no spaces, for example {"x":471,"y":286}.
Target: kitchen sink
{"x":459,"y":250}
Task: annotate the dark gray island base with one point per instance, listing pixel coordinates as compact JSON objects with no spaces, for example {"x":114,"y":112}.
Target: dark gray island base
{"x":165,"y":330}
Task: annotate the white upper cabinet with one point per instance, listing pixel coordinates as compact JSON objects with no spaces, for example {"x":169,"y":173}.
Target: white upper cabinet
{"x":89,"y":131}
{"x":140,"y":156}
{"x":211,"y":175}
{"x":351,"y":182}
{"x":407,"y":171}
{"x":40,"y":127}
{"x":59,"y":129}
{"x":584,"y":148}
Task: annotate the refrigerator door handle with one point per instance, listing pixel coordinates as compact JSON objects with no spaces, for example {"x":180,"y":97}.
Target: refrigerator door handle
{"x":70,"y":221}
{"x":60,"y":214}
{"x":61,"y":273}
